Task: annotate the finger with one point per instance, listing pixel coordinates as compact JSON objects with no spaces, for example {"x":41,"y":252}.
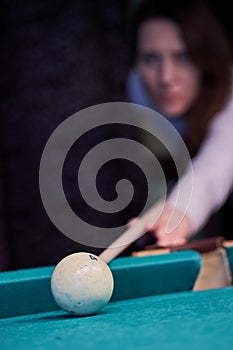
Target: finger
{"x":173,"y":242}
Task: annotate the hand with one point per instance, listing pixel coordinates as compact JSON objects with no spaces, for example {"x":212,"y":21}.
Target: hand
{"x":173,"y":228}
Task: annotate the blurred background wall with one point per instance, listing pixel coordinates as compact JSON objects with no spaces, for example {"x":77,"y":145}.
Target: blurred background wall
{"x":57,"y":57}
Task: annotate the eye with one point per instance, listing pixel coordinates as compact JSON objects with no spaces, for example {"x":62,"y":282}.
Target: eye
{"x":182,"y":57}
{"x":149,"y":57}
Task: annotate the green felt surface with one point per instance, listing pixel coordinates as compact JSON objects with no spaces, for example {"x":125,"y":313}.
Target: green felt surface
{"x":153,"y":307}
{"x":183,"y":320}
{"x":229,"y":251}
{"x":28,"y":291}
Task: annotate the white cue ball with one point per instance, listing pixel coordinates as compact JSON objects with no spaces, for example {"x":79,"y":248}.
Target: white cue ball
{"x":82,"y":284}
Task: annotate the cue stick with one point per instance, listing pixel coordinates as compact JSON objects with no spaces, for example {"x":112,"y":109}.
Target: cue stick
{"x":132,"y":233}
{"x":204,"y":245}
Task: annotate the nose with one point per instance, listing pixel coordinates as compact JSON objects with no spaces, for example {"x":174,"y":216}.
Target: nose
{"x":166,"y":72}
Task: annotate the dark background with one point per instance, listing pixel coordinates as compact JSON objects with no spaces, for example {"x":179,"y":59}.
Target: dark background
{"x":57,"y":58}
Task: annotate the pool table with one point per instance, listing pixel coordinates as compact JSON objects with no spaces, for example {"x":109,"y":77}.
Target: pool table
{"x":153,"y":306}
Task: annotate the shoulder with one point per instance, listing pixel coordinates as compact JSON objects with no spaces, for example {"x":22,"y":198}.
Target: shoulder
{"x":223,"y":120}
{"x":135,"y":90}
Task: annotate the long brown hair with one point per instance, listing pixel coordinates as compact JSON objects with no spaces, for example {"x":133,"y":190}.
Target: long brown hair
{"x":209,"y":50}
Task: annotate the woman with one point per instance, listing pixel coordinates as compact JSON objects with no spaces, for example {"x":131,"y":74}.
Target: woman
{"x":182,"y":67}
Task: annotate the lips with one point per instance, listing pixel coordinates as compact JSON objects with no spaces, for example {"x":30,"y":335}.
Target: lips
{"x":169,"y":98}
{"x":171,"y":104}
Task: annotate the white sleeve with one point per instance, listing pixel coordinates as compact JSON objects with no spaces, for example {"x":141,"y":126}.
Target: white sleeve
{"x":212,"y":171}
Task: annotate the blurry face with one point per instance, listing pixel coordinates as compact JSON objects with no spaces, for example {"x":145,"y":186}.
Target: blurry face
{"x":169,"y":76}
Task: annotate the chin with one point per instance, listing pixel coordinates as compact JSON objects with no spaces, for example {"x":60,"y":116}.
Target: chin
{"x":171,"y":113}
